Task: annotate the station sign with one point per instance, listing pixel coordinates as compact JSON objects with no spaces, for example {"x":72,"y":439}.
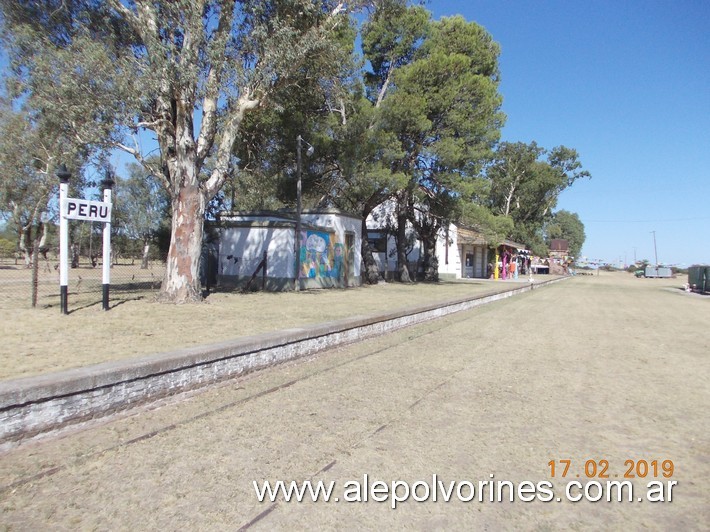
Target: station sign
{"x":81,"y":209}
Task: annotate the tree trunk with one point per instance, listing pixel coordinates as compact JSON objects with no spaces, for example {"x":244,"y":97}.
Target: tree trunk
{"x":25,"y":237}
{"x":35,"y":273}
{"x":146,"y":251}
{"x":402,"y":246}
{"x":75,"y":255}
{"x":431,"y":262}
{"x":43,"y":239}
{"x":369,"y":265}
{"x":428,"y":230}
{"x":181,"y":283}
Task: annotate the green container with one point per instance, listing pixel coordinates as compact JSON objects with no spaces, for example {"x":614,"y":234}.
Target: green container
{"x":706,"y":288}
{"x":697,"y":277}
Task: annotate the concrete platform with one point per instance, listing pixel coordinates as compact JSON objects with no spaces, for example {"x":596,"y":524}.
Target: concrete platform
{"x":38,"y":405}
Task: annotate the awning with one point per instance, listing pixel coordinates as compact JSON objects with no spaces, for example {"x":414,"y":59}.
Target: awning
{"x":511,"y":244}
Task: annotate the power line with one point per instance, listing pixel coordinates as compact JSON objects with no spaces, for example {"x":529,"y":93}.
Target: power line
{"x":648,"y":221}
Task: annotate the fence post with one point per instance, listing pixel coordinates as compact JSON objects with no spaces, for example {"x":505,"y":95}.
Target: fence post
{"x":35,"y":271}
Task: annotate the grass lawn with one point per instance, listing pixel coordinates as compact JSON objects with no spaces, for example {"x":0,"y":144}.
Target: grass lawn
{"x":42,"y":340}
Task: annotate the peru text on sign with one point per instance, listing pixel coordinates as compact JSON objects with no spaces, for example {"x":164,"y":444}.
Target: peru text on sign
{"x":80,"y":209}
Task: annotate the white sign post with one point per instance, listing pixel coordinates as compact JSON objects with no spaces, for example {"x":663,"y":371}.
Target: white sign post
{"x":63,"y":176}
{"x":81,"y":209}
{"x":107,"y":183}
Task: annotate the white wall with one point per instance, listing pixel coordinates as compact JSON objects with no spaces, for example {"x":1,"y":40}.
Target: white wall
{"x":241,"y":247}
{"x":455,"y":259}
{"x":384,"y":215}
{"x":247,"y":246}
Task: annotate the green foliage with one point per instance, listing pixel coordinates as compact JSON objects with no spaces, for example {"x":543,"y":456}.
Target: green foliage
{"x":566,"y":225}
{"x":266,"y":164}
{"x":526,"y":188}
{"x":445,"y":111}
{"x":419,"y":126}
{"x":362,"y":156}
{"x":494,"y":228}
{"x":390,"y":38}
{"x":141,"y":207}
{"x":7,"y":248}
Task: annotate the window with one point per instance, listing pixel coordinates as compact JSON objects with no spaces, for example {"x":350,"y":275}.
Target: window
{"x":377,"y":241}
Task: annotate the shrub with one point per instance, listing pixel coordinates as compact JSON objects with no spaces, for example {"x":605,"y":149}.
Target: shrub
{"x":7,"y":248}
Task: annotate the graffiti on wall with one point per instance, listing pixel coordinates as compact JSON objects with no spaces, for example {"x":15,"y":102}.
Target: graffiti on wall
{"x":321,"y":255}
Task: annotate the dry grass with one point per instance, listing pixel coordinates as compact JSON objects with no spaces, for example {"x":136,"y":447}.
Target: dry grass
{"x":607,"y":367}
{"x":42,"y":340}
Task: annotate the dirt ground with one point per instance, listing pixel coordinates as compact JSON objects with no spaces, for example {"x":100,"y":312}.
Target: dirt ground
{"x":41,"y":340}
{"x":595,"y":368}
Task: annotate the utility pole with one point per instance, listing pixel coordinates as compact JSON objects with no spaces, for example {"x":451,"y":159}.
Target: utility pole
{"x":655,"y":251}
{"x":634,"y":254}
{"x":297,"y":241}
{"x":297,"y":244}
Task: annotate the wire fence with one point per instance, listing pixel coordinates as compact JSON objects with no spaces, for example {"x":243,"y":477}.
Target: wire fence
{"x":131,"y":278}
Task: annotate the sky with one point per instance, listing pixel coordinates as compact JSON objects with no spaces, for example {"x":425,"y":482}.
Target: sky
{"x":627,"y":84}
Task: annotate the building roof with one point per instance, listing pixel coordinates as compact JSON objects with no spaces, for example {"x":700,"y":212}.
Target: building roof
{"x":285,"y":213}
{"x":511,"y":244}
{"x":470,"y":237}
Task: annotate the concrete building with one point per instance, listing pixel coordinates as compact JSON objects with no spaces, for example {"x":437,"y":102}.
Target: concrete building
{"x":329,"y":248}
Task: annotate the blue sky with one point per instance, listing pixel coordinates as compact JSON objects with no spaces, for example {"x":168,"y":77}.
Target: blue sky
{"x":627,"y":84}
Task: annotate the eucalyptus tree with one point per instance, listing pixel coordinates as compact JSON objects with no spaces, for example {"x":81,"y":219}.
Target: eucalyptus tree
{"x":29,"y":156}
{"x":526,"y":182}
{"x":391,"y":37}
{"x":187,"y":72}
{"x":513,"y":166}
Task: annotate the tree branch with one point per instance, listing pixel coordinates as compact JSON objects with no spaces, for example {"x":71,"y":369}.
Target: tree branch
{"x":208,"y":129}
{"x":229,"y":136}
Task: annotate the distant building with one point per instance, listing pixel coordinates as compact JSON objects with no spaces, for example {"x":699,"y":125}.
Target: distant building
{"x":462,"y":252}
{"x":559,"y":249}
